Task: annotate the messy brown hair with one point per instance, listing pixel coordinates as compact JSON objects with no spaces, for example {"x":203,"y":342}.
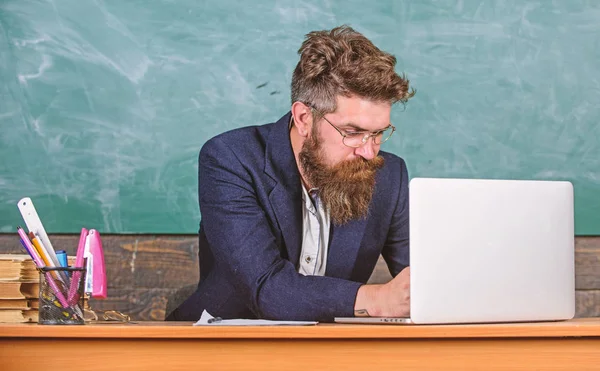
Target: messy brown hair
{"x":344,"y":62}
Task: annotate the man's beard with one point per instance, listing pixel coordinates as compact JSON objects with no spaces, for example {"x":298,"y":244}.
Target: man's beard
{"x":345,"y":189}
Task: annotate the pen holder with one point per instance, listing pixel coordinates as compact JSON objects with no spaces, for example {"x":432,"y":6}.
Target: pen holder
{"x":61,"y":296}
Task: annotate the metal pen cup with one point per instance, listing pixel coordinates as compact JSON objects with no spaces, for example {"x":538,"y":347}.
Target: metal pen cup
{"x":61,"y":299}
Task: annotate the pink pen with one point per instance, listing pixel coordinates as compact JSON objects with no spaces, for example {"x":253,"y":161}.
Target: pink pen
{"x":73,"y":294}
{"x":40,"y":264}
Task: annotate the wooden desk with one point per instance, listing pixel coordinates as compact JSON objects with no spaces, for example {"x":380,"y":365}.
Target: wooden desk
{"x":571,"y":345}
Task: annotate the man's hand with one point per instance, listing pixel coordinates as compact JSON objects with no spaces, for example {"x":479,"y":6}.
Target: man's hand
{"x":387,"y":300}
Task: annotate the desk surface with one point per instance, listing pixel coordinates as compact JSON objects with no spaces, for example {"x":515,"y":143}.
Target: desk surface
{"x":568,"y":345}
{"x":582,"y":327}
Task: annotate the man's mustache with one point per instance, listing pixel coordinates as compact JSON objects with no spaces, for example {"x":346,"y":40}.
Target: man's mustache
{"x":356,"y":170}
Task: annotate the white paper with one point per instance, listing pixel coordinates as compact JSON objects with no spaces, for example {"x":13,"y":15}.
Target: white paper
{"x":203,"y":321}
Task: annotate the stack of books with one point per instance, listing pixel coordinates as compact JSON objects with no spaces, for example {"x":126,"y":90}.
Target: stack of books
{"x":19,"y":289}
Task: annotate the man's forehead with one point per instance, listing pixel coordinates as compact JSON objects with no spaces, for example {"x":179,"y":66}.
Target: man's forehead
{"x":362,"y":120}
{"x":360,"y":110}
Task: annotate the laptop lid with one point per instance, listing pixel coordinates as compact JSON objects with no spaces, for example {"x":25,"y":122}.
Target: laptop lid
{"x":486,"y":250}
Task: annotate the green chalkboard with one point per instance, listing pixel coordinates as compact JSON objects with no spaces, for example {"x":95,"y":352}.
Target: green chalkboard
{"x":105,"y":104}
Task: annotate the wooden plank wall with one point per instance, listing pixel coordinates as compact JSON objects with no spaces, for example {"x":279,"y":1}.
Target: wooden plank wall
{"x":145,"y":271}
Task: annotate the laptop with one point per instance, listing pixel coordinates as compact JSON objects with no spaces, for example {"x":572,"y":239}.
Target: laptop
{"x":489,"y":251}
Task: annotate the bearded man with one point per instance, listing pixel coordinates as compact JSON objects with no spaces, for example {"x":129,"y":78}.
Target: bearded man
{"x":296,"y":213}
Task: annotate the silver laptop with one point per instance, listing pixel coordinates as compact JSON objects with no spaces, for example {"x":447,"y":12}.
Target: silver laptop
{"x":484,"y":251}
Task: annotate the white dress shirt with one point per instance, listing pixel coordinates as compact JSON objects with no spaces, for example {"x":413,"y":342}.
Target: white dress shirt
{"x":315,"y":235}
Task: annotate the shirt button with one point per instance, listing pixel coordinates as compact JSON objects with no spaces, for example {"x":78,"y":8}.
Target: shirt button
{"x":308,"y":259}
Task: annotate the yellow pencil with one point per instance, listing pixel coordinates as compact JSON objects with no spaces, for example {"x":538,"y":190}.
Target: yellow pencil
{"x":40,"y":250}
{"x":45,"y":256}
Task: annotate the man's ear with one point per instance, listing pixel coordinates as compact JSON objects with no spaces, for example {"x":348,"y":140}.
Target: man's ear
{"x":302,"y":118}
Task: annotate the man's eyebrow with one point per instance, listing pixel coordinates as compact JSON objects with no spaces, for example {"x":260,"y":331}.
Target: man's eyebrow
{"x":355,"y":127}
{"x":350,"y":125}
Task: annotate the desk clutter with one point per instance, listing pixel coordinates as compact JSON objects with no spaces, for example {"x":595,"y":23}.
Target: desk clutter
{"x":20,"y":288}
{"x":46,"y":286}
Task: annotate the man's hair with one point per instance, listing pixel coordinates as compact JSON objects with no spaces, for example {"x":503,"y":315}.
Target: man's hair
{"x":344,"y":62}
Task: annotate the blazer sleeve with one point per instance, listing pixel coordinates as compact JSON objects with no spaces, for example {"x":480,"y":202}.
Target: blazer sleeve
{"x":396,"y":249}
{"x":241,"y":239}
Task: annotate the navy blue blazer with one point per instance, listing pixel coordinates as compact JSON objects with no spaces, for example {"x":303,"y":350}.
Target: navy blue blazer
{"x":250,"y":236}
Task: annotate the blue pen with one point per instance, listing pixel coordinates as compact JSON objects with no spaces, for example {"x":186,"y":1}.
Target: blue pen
{"x":62,"y":258}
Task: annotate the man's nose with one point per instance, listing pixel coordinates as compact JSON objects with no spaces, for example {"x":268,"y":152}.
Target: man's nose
{"x":369,"y":150}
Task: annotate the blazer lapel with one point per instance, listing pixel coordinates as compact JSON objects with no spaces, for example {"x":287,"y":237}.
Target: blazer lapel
{"x":286,"y":195}
{"x":343,"y":248}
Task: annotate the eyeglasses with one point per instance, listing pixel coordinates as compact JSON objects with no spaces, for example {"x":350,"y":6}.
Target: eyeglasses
{"x":356,"y":139}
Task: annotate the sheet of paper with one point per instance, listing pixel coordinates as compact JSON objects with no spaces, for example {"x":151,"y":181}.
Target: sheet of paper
{"x":207,"y":320}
